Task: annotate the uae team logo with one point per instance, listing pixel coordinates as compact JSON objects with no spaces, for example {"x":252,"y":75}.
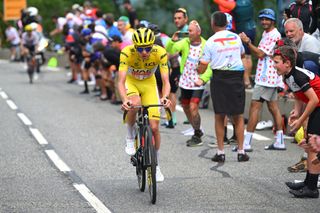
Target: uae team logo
{"x":230,"y":39}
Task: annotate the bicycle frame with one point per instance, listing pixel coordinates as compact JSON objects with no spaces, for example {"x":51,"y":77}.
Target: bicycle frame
{"x":145,"y":159}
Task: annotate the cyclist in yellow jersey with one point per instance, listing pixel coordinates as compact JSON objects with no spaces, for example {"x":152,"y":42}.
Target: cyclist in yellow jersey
{"x":137,"y":84}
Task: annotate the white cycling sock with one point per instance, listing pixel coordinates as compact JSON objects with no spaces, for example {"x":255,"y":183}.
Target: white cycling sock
{"x":279,"y":140}
{"x":130,"y":132}
{"x":241,"y":151}
{"x":158,"y":155}
{"x":247,"y":139}
{"x":220,"y":152}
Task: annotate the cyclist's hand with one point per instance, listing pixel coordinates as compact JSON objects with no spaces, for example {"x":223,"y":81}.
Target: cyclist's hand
{"x":126,"y":105}
{"x":165,"y":101}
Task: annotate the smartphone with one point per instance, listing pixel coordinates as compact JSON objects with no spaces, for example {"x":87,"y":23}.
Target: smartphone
{"x":183,"y":34}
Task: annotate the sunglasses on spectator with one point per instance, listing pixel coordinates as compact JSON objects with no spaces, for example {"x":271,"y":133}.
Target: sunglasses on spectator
{"x":141,"y":49}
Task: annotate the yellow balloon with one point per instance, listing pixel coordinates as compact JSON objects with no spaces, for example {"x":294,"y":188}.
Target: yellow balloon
{"x":299,"y":135}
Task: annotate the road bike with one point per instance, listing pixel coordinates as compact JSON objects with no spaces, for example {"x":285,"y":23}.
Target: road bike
{"x":35,"y":59}
{"x":145,"y":159}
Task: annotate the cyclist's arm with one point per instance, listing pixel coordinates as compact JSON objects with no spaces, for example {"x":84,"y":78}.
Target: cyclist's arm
{"x":123,"y":67}
{"x":122,"y":87}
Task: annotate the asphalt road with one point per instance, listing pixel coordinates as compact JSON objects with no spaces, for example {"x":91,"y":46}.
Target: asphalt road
{"x":64,"y":152}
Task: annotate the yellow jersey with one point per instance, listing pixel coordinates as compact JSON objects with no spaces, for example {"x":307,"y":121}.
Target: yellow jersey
{"x":140,"y":69}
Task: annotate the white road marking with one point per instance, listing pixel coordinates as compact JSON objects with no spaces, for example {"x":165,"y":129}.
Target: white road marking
{"x":3,"y":95}
{"x":38,"y":136}
{"x":62,"y":166}
{"x":24,"y":119}
{"x":56,"y":160}
{"x":12,"y":105}
{"x":91,"y":198}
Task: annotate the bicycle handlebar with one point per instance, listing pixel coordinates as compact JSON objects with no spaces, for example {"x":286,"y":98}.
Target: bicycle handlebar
{"x":168,"y":111}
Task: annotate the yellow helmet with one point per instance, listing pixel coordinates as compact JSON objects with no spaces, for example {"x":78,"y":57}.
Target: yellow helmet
{"x":28,"y":28}
{"x":143,"y":37}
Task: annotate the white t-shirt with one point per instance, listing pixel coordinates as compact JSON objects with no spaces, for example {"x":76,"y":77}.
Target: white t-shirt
{"x":190,"y":75}
{"x":223,"y":50}
{"x":13,"y":35}
{"x":266,"y":74}
{"x":309,"y":43}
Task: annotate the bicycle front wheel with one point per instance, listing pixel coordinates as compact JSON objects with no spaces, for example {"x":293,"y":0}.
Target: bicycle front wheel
{"x":140,"y":170}
{"x":151,"y":163}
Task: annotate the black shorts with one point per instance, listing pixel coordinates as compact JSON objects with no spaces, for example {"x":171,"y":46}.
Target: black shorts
{"x":174,"y":79}
{"x":189,"y":95}
{"x":228,"y":92}
{"x":314,"y":122}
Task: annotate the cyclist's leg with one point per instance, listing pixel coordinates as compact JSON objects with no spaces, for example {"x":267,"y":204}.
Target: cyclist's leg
{"x":150,"y":95}
{"x":134,"y":98}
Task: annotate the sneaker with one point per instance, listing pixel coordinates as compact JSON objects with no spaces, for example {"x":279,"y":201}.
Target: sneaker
{"x":170,"y":125}
{"x":295,"y":186}
{"x":212,"y":144}
{"x":130,"y":150}
{"x":164,"y":123}
{"x":264,"y":125}
{"x":274,"y":147}
{"x":226,"y":140}
{"x":219,"y":158}
{"x":246,"y":149}
{"x":186,"y":122}
{"x":84,"y":92}
{"x":35,"y":76}
{"x":301,"y":166}
{"x":191,"y":132}
{"x":305,"y":192}
{"x":71,"y":81}
{"x":187,"y":131}
{"x":194,"y":141}
{"x":243,"y":157}
{"x":159,"y":175}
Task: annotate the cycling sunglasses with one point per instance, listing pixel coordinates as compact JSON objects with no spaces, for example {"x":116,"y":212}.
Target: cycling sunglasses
{"x":141,"y":49}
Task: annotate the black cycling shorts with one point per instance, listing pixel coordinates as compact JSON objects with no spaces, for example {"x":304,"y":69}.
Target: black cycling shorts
{"x":190,"y":95}
{"x":314,"y":122}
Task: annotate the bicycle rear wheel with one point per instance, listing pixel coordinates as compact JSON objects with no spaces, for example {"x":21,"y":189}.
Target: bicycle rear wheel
{"x":151,"y":162}
{"x":30,"y":73}
{"x":140,"y":170}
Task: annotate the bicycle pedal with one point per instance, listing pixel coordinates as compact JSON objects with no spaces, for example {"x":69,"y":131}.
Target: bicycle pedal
{"x":134,"y":161}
